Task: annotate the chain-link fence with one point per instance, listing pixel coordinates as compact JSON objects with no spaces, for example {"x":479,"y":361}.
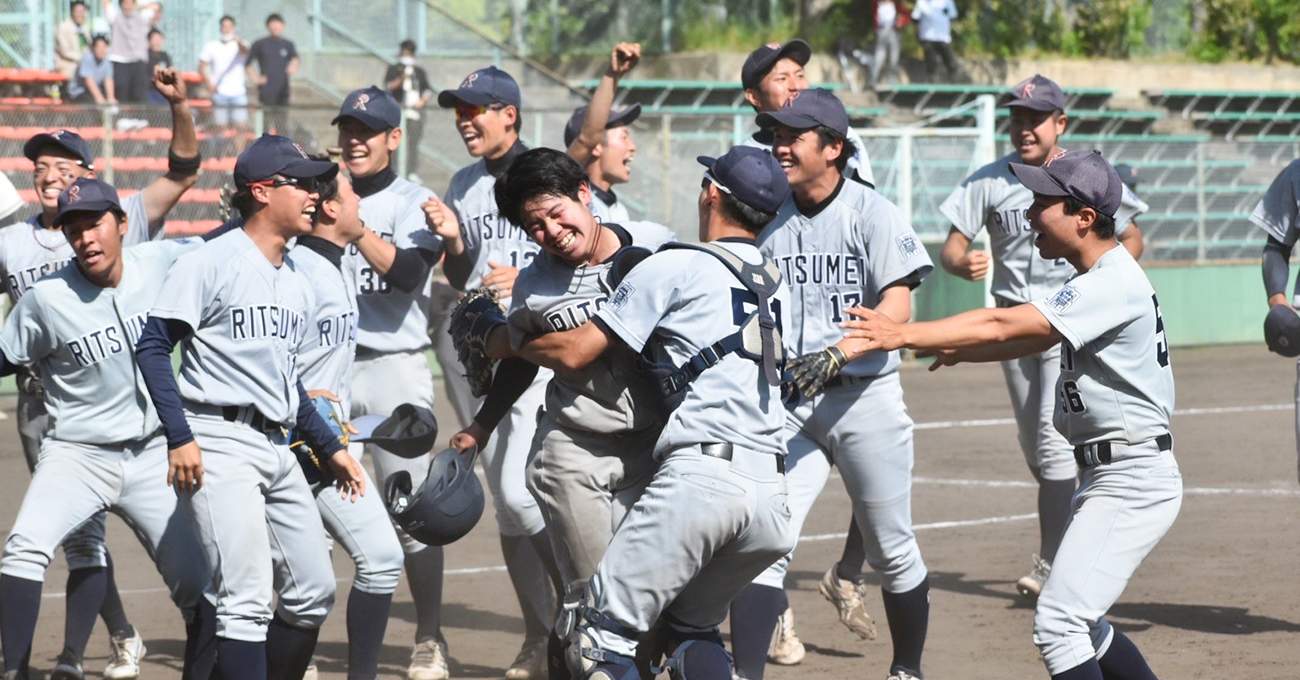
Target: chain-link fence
{"x":1201,"y":191}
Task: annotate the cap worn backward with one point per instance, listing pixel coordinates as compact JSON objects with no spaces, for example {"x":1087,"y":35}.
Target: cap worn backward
{"x":750,"y":174}
{"x":1084,"y":175}
{"x":617,"y":119}
{"x":86,"y":195}
{"x":272,"y":155}
{"x":66,"y":139}
{"x":485,"y":86}
{"x":761,"y":60}
{"x":807,"y":109}
{"x":375,"y":108}
{"x":1038,"y":93}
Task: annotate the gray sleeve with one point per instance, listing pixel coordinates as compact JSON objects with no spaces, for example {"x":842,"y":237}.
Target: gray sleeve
{"x":26,"y":336}
{"x":1130,"y":207}
{"x":1277,"y":211}
{"x":1086,"y":308}
{"x":138,"y":228}
{"x":187,"y":291}
{"x":643,"y":299}
{"x":894,"y":250}
{"x":967,"y":207}
{"x":522,"y":320}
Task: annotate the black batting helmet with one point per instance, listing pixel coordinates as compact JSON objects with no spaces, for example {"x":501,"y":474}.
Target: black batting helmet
{"x":445,"y":507}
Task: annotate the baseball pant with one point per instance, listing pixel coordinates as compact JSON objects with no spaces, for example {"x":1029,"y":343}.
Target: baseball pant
{"x":365,"y":531}
{"x":585,"y":483}
{"x":77,"y":481}
{"x":1031,"y":382}
{"x":886,"y":57}
{"x":1121,"y":511}
{"x":381,"y":383}
{"x":669,"y":557}
{"x":1297,"y":416}
{"x":505,"y":459}
{"x":260,"y":529}
{"x":864,"y":429}
{"x":84,"y":547}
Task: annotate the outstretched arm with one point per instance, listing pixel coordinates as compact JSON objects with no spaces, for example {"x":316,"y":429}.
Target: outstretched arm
{"x":183,"y":157}
{"x":977,"y":335}
{"x":622,"y":59}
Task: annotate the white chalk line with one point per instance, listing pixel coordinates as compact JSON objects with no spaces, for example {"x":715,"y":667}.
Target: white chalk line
{"x":1194,"y":491}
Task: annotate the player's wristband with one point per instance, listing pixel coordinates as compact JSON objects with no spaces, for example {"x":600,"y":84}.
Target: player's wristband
{"x":185,"y":167}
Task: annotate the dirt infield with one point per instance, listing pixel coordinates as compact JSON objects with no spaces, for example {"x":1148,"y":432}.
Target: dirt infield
{"x":1218,"y":598}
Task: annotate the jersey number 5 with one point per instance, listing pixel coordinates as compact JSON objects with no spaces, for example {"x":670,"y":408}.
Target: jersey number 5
{"x":1162,"y":344}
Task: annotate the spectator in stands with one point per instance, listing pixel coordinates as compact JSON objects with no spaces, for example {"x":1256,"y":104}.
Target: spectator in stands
{"x":94,"y":81}
{"x":158,"y":56}
{"x":278,"y":60}
{"x":409,"y":85}
{"x":129,"y":52}
{"x":221,"y":64}
{"x":934,"y":20}
{"x":890,"y":18}
{"x":71,"y":40}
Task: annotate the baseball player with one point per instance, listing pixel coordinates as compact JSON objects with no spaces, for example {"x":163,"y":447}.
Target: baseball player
{"x":241,"y":311}
{"x":993,"y":199}
{"x":1114,"y":398}
{"x":103,"y":449}
{"x":601,"y":139}
{"x":840,"y":244}
{"x":391,"y":266}
{"x":708,"y":320}
{"x":1278,"y":214}
{"x":597,"y":433}
{"x":26,"y":254}
{"x":771,"y":75}
{"x":484,"y":250}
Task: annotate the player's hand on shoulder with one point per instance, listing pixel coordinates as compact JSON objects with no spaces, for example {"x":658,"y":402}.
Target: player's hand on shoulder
{"x":440,"y":219}
{"x":185,"y":467}
{"x":623,"y":58}
{"x":169,"y":83}
{"x":348,"y":477}
{"x":501,"y":279}
{"x":974,"y":266}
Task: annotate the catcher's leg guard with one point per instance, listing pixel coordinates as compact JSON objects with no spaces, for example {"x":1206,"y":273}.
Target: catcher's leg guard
{"x":698,"y":656}
{"x":586,"y":660}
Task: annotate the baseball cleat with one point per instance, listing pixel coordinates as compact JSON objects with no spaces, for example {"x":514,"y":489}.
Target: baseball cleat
{"x":124,"y":655}
{"x":531,"y":662}
{"x":785,"y":649}
{"x":428,"y":661}
{"x":847,"y":598}
{"x":1031,"y":584}
{"x":67,"y":667}
{"x":902,"y":675}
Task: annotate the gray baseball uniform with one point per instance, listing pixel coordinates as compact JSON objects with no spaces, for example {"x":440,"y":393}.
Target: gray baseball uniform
{"x":391,"y":368}
{"x":606,"y":206}
{"x":238,"y":380}
{"x":668,"y":557}
{"x":993,"y":198}
{"x":860,"y":163}
{"x":847,"y":252}
{"x":595,"y":439}
{"x":1278,"y":213}
{"x":1114,"y":399}
{"x":103,"y":449}
{"x":362,"y":528}
{"x":489,"y":238}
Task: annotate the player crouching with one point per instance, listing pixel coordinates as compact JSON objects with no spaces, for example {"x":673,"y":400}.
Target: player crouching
{"x":1113,"y":403}
{"x":104,"y":449}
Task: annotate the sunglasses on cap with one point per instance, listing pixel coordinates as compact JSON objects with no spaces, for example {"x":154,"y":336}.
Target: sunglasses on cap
{"x":308,"y":184}
{"x":468,"y":111}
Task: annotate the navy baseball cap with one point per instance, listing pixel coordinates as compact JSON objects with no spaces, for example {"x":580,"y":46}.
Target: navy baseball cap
{"x":273,"y":155}
{"x":485,"y":86}
{"x":1128,"y":175}
{"x":87,"y":195}
{"x":375,"y":108}
{"x":807,"y":109}
{"x":1037,"y":93}
{"x":761,"y":60}
{"x":1083,"y":175}
{"x":617,"y":119}
{"x":750,"y":174}
{"x":66,"y":139}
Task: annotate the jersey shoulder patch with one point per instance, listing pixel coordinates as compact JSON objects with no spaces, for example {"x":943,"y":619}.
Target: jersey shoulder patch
{"x":1063,"y":299}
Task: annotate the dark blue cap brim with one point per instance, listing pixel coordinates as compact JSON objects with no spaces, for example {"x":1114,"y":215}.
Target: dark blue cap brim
{"x":372,"y":122}
{"x":788,"y":118}
{"x":1037,"y":180}
{"x":32,"y":148}
{"x":97,"y":207}
{"x":322,"y":170}
{"x":1033,"y":104}
{"x":450,"y":98}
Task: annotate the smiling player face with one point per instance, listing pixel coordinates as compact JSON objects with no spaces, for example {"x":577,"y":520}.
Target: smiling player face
{"x":616,"y":154}
{"x":1034,"y":133}
{"x":55,"y":170}
{"x":802,"y":156}
{"x":485,"y":130}
{"x":366,"y":150}
{"x":1054,"y":230}
{"x":562,"y":226}
{"x":776,"y":88}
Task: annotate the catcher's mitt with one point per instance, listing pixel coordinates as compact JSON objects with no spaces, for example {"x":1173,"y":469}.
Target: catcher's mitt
{"x":810,"y":372}
{"x":471,"y":320}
